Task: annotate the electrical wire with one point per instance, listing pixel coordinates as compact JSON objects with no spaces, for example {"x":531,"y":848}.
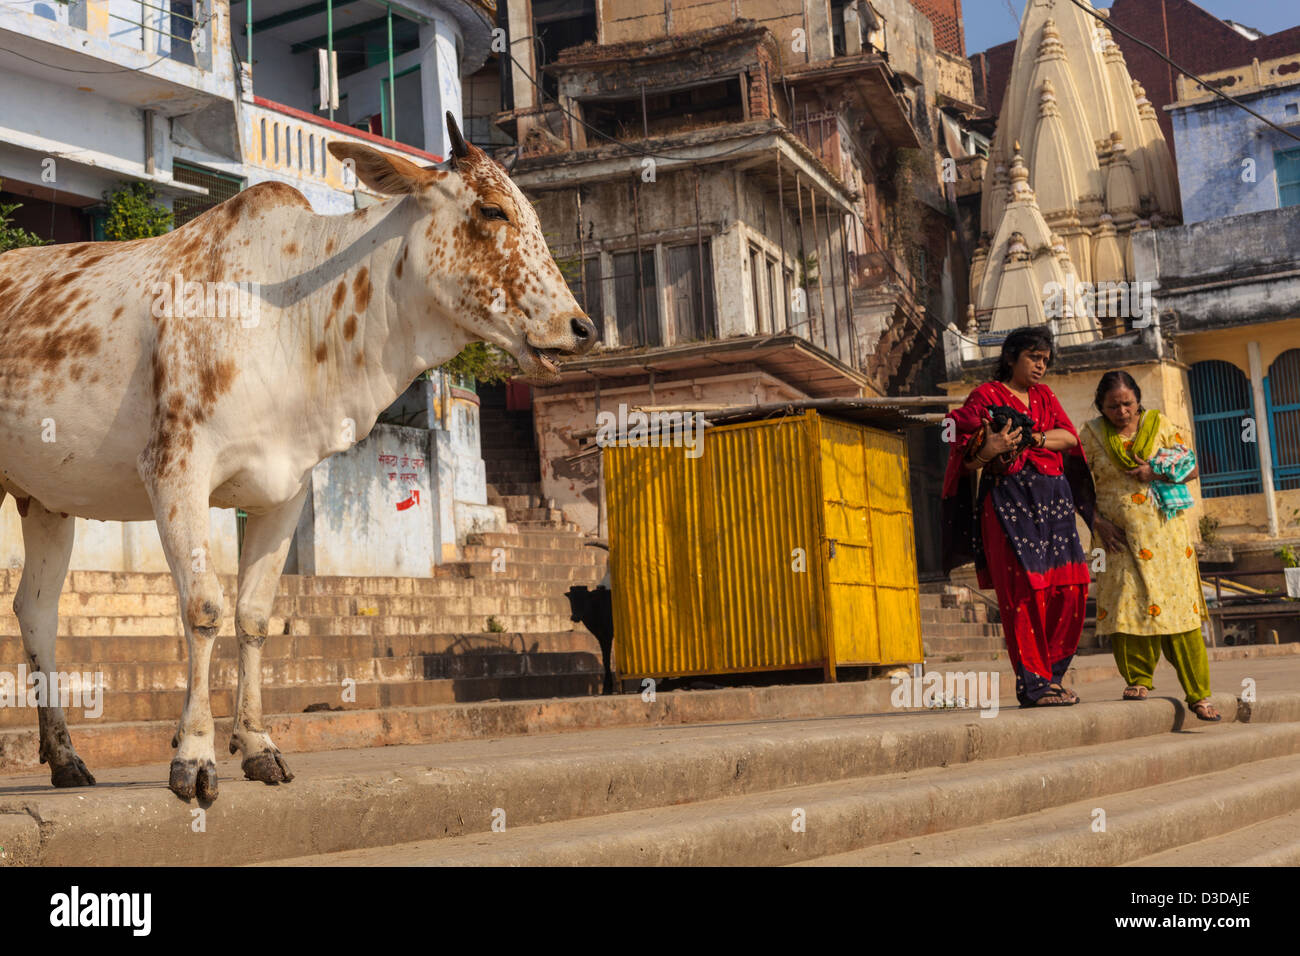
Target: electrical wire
{"x":1187,"y":73}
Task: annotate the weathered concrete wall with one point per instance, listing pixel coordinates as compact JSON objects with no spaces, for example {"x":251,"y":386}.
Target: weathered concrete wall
{"x":373,"y":509}
{"x":121,"y":546}
{"x":1226,"y":157}
{"x":735,"y":215}
{"x":557,"y":416}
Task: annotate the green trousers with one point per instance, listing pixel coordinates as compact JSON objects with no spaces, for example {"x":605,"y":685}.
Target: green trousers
{"x":1137,"y":656}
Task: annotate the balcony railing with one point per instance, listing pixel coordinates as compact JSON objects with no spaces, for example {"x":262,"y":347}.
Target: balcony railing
{"x":293,"y":143}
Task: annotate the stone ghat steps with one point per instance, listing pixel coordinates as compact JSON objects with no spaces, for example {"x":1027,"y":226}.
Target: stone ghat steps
{"x":511,"y":614}
{"x":924,"y":805}
{"x":389,"y":683}
{"x":100,"y":651}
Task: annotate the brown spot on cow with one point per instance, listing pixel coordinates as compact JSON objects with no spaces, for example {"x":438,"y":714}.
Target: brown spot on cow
{"x":401,"y":259}
{"x":350,"y":327}
{"x":340,"y":293}
{"x":290,"y":248}
{"x":171,"y":513}
{"x":361,"y":289}
{"x":321,"y":353}
{"x":215,"y":380}
{"x":330,"y":245}
{"x":361,"y":357}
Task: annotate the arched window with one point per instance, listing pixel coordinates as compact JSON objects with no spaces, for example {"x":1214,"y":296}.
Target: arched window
{"x":1282,"y":392}
{"x":1220,"y":402}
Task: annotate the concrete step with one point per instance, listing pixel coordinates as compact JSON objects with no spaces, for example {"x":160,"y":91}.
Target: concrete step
{"x":1274,"y":842}
{"x":758,"y":829}
{"x":588,"y":574}
{"x":512,"y":487}
{"x":129,"y":677}
{"x":1138,"y":823}
{"x":107,"y":650}
{"x":164,"y":705}
{"x":452,"y":789}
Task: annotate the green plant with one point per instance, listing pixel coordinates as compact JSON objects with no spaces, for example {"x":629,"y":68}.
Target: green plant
{"x":806,"y":267}
{"x":483,"y":362}
{"x":133,"y":214}
{"x":14,"y":237}
{"x":1288,"y":555}
{"x":495,"y":626}
{"x":1209,"y":529}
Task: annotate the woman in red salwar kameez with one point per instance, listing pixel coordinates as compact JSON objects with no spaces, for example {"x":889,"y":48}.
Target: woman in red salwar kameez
{"x":1018,"y":525}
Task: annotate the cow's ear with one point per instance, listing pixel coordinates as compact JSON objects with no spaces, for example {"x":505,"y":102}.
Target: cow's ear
{"x":382,"y":172}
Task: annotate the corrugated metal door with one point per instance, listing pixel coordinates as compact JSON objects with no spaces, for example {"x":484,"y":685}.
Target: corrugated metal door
{"x":761,"y":540}
{"x":850,"y":564}
{"x":889,"y":496}
{"x":654,"y":561}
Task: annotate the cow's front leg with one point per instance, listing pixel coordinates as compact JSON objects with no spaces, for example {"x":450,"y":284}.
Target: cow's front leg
{"x":266,"y":544}
{"x":180,"y":503}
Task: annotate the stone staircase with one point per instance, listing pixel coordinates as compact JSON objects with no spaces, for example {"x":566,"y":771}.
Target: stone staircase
{"x":511,"y":463}
{"x":958,"y":623}
{"x":495,"y":626}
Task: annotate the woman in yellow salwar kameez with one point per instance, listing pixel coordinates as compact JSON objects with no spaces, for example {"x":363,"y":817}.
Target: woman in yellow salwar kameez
{"x":1148,"y":594}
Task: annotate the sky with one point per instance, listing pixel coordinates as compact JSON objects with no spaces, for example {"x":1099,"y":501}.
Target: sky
{"x":990,"y":22}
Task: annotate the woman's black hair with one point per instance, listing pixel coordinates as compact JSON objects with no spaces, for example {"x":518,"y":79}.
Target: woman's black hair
{"x":1113,"y":380}
{"x":1025,"y":339}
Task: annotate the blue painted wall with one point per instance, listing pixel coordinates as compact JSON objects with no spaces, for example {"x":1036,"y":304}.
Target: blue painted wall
{"x":1213,"y":140}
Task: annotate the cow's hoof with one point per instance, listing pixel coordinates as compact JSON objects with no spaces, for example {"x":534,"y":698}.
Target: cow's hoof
{"x":268,"y":767}
{"x":190,"y":778}
{"x":73,"y":774}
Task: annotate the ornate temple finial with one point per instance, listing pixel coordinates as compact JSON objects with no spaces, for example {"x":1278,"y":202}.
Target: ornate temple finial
{"x":1051,"y":47}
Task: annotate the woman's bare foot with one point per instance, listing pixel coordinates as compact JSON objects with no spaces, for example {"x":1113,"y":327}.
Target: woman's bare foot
{"x":1135,"y":692}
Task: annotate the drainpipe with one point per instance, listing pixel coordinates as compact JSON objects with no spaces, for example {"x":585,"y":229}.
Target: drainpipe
{"x":1262,"y":434}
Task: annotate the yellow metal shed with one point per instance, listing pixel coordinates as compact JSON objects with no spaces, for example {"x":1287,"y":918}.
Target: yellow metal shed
{"x":786,"y":544}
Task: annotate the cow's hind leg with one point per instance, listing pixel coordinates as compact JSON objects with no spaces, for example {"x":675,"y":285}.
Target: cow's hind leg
{"x":266,"y":544}
{"x":180,"y":507}
{"x":47,"y":543}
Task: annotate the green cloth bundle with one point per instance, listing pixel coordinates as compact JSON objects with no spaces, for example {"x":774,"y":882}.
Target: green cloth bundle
{"x":1171,"y":465}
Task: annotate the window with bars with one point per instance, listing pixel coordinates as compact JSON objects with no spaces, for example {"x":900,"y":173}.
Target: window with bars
{"x":1282,"y":394}
{"x":1221,"y":401}
{"x":1287,"y":164}
{"x":220,"y":187}
{"x":637,"y":315}
{"x":589,"y":297}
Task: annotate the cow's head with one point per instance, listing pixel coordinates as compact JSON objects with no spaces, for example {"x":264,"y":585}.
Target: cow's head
{"x":476,"y":254}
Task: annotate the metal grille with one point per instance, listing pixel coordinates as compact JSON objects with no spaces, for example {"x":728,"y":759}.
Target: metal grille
{"x":220,"y":187}
{"x":1220,"y":402}
{"x":1282,"y":392}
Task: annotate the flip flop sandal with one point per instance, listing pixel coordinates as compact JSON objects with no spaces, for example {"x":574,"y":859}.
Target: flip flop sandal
{"x":1052,"y":699}
{"x":1069,"y":695}
{"x":1201,"y":707}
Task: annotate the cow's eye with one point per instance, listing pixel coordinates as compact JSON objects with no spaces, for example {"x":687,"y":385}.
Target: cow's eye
{"x":493,"y":212}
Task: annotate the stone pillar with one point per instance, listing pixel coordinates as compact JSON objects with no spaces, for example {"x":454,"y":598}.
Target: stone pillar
{"x":1262,"y":435}
{"x":440,"y":83}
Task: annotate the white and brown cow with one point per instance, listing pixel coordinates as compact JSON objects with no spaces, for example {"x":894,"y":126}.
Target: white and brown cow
{"x":159,"y":415}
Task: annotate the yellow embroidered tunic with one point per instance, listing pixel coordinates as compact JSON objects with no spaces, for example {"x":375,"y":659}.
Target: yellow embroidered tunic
{"x":1154,"y":586}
